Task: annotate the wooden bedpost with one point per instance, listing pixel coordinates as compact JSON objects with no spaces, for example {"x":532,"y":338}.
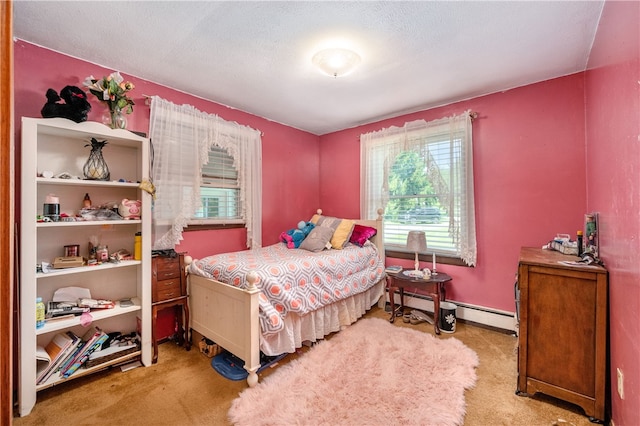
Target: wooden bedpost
{"x":380,"y":244}
{"x":252,"y":357}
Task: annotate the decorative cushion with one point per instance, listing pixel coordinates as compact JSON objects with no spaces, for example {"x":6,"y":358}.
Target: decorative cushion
{"x":361,"y":234}
{"x":317,"y":239}
{"x":329,"y":222}
{"x":342,"y":234}
{"x":342,"y":229}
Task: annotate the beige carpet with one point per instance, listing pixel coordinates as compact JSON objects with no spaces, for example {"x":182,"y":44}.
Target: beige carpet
{"x":183,"y":390}
{"x":372,"y":373}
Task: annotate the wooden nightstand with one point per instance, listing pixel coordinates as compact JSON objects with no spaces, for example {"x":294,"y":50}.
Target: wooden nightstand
{"x":169,"y":290}
{"x":434,"y":287}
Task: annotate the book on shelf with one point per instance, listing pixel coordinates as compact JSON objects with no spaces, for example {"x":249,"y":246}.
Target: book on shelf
{"x":49,"y":320}
{"x":97,"y":354}
{"x":116,"y":346}
{"x":55,"y":368}
{"x":72,"y":356}
{"x":94,"y":338}
{"x":50,"y":357}
{"x":119,"y":343}
{"x":55,"y":309}
{"x":89,"y":335}
{"x":85,"y":356}
{"x":96,"y":303}
{"x":394,"y":269}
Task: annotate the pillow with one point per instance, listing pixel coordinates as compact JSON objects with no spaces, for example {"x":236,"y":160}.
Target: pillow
{"x":342,"y":234}
{"x":361,"y":234}
{"x":317,"y":239}
{"x":342,"y":229}
{"x":329,"y":222}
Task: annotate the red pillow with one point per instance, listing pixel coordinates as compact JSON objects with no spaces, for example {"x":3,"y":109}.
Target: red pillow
{"x":361,"y":234}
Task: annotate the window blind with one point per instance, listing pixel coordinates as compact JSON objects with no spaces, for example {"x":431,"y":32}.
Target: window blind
{"x":220,"y":190}
{"x":422,"y":175}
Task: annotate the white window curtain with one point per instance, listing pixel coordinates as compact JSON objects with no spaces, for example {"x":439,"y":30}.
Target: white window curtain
{"x":182,"y":137}
{"x":379,"y":151}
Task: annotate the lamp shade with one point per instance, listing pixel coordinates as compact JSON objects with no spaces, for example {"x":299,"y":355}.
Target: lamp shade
{"x":417,"y":241}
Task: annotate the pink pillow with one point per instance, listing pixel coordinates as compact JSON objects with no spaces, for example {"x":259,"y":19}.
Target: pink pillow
{"x":361,"y":234}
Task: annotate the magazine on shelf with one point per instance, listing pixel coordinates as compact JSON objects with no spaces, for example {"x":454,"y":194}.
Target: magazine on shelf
{"x":72,"y":356}
{"x":85,"y":356}
{"x":94,"y":338}
{"x":55,"y":368}
{"x":89,"y":336}
{"x":50,"y":357}
{"x":118,"y":343}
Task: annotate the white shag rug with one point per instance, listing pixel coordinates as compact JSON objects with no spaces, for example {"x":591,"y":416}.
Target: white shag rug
{"x":371,"y":373}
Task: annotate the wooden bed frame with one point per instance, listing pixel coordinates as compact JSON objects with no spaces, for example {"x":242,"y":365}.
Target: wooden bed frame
{"x":229,"y":315}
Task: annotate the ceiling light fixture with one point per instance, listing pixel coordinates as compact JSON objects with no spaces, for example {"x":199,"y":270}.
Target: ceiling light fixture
{"x":336,"y":62}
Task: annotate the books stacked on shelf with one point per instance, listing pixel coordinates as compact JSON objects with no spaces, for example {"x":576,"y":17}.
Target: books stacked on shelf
{"x":72,"y":357}
{"x":50,"y":358}
{"x":93,"y":340}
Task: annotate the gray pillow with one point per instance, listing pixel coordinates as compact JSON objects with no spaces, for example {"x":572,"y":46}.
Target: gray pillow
{"x":329,"y":222}
{"x":317,"y":239}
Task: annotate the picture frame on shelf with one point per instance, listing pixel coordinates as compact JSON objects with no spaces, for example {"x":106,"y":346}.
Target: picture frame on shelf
{"x":591,"y":234}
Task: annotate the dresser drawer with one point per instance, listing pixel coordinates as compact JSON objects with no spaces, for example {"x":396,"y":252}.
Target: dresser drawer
{"x":165,"y":268}
{"x":166,"y":289}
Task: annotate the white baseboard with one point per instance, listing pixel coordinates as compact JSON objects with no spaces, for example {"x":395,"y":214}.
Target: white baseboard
{"x":478,"y":314}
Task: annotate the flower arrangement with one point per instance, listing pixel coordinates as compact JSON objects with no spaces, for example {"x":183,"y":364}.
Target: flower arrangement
{"x":112,"y":90}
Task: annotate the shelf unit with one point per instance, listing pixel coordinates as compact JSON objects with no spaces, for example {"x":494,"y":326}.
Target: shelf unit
{"x":59,"y":145}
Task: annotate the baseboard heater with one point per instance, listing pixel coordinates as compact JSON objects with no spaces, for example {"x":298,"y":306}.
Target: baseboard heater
{"x":493,"y":318}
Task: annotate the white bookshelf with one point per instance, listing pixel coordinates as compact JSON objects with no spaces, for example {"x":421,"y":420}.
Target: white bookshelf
{"x":58,"y":145}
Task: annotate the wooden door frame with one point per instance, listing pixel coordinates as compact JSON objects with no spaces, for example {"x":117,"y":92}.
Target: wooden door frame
{"x":7,"y":209}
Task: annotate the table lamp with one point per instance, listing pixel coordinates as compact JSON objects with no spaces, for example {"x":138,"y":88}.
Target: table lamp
{"x":417,"y":243}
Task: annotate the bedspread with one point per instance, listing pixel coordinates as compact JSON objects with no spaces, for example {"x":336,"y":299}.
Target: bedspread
{"x":295,"y":280}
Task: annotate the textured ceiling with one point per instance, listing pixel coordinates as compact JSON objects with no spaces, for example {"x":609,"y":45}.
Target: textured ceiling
{"x":256,"y":56}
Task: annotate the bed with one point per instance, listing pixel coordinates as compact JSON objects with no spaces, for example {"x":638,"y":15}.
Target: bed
{"x":275,"y":299}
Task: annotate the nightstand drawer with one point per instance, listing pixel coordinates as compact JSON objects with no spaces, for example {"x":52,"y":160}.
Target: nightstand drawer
{"x":167,"y":274}
{"x":166,"y":267}
{"x":167,"y":289}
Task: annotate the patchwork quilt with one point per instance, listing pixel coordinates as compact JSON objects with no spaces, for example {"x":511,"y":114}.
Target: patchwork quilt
{"x":295,"y":280}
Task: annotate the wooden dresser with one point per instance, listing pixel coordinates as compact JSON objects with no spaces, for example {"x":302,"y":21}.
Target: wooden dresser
{"x":562,"y":345}
{"x":169,"y":290}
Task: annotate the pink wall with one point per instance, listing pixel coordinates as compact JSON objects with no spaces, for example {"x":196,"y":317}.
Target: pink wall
{"x":529,"y":185}
{"x":529,"y":178}
{"x":290,"y":175}
{"x":531,"y":164}
{"x":613,"y":187}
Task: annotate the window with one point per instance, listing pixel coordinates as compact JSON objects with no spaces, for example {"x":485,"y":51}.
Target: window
{"x":220,"y":190}
{"x":206,"y":170}
{"x":422,"y":176}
